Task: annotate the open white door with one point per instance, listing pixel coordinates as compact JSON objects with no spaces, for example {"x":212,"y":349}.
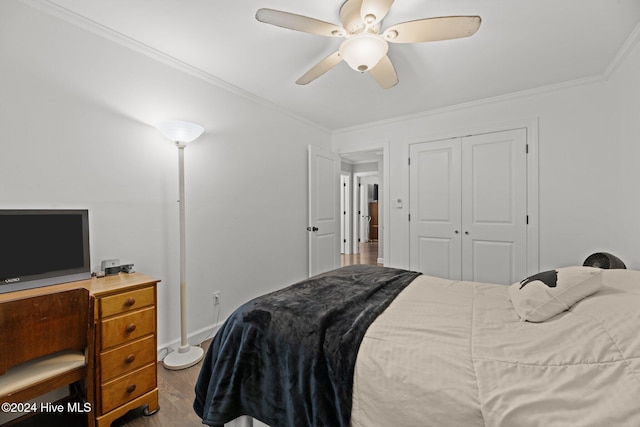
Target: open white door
{"x":324,"y":210}
{"x":365,"y":218}
{"x":345,"y":213}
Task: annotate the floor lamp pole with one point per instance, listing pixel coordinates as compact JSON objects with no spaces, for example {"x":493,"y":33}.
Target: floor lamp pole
{"x":183,"y":253}
{"x":186,"y":355}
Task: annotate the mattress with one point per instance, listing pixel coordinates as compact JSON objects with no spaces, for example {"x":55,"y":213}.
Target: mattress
{"x":455,"y":353}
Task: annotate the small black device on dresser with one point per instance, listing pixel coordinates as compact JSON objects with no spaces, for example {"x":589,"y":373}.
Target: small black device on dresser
{"x":110,"y":267}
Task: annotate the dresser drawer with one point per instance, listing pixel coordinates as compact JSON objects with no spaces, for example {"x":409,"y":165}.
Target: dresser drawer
{"x":122,"y":390}
{"x":118,"y":330}
{"x":126,"y":301}
{"x":122,"y":360}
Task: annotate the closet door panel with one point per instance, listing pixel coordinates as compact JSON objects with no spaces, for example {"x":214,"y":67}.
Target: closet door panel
{"x":494,"y":195}
{"x":435,"y":208}
{"x":436,"y":256}
{"x":499,"y":254}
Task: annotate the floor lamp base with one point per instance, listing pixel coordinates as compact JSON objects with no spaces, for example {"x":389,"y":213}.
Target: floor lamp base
{"x":183,"y":358}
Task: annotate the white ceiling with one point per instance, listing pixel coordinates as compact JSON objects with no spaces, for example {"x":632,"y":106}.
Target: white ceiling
{"x":521,"y":45}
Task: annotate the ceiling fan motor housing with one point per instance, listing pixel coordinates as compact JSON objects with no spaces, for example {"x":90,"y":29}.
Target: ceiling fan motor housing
{"x":351,"y":19}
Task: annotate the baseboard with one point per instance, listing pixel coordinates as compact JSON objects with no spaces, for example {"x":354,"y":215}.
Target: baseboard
{"x":194,"y":338}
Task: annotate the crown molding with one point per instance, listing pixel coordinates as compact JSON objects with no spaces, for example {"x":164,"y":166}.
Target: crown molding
{"x":620,"y":57}
{"x":623,"y":53}
{"x":103,"y":31}
{"x":473,"y":104}
{"x":80,"y":21}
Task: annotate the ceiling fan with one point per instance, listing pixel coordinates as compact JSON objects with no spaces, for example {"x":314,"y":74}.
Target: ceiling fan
{"x":365,"y":48}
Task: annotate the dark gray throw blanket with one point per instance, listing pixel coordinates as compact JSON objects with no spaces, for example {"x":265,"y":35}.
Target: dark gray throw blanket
{"x":287,"y":358}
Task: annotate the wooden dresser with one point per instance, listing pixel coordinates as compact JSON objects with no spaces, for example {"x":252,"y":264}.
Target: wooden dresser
{"x":122,"y":358}
{"x":122,"y":355}
{"x":125,"y":346}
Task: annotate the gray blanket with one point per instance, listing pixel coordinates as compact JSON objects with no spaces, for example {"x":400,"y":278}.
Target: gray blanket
{"x":287,"y":358}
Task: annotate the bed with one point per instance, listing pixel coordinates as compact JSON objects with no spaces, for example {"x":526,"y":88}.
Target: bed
{"x":433,"y":352}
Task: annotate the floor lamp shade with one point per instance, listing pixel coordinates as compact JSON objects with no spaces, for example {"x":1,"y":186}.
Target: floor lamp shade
{"x":178,"y":131}
{"x":182,"y":133}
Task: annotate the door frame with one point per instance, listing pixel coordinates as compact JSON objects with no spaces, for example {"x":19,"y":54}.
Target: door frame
{"x":345,"y":203}
{"x":533,"y":212}
{"x":357,"y":199}
{"x":383,"y":193}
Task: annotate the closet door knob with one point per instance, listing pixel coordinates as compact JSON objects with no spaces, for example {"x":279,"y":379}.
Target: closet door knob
{"x":457,"y":232}
{"x":466,"y":232}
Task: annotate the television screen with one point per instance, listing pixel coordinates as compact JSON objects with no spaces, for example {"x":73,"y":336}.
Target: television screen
{"x":43,"y":247}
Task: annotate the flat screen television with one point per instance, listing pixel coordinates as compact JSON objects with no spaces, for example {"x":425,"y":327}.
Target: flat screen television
{"x":43,"y":247}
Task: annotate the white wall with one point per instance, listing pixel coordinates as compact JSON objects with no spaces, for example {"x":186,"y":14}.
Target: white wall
{"x":588,"y":162}
{"x":76,"y":116}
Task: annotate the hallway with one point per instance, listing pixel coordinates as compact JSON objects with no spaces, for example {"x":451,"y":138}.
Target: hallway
{"x":368,"y":255}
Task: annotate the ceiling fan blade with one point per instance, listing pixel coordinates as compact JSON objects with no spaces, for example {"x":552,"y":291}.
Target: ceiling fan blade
{"x":299,"y":23}
{"x":320,"y":68}
{"x":384,"y":73}
{"x":433,"y":29}
{"x":374,"y":11}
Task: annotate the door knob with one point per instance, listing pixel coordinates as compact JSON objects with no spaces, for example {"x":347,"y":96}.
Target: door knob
{"x":312,"y":228}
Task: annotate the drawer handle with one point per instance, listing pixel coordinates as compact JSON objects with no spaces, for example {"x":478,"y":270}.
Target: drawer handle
{"x":129,"y":302}
{"x":130,"y":327}
{"x":130,"y":358}
{"x":131,"y":388}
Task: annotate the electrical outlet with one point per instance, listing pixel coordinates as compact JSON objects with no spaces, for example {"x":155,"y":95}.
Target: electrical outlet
{"x":216,"y":298}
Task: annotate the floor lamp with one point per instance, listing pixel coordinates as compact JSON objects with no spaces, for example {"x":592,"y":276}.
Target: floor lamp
{"x":182,"y":133}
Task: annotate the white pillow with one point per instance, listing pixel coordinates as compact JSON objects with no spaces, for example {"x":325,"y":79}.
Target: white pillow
{"x":543,"y":295}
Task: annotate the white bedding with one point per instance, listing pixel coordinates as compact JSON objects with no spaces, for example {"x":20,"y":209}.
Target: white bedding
{"x":449,"y":353}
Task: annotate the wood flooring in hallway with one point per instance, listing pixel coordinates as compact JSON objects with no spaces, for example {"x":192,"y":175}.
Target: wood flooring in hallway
{"x":368,"y":255}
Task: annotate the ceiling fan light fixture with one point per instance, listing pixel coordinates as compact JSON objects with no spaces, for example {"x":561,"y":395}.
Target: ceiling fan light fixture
{"x":363,"y":51}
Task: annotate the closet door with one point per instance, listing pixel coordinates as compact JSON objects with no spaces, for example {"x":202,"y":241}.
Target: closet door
{"x":435,"y":208}
{"x":494,"y":207}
